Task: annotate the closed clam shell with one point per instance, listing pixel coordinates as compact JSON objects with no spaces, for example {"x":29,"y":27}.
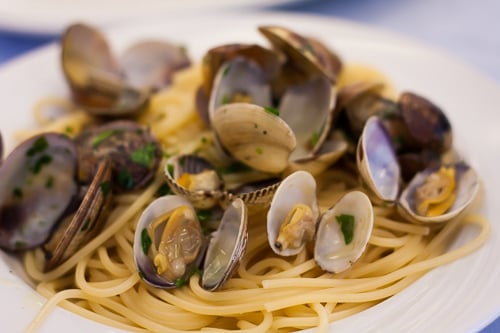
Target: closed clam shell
{"x":467,"y":187}
{"x":331,"y":250}
{"x":226,"y":247}
{"x":254,"y":136}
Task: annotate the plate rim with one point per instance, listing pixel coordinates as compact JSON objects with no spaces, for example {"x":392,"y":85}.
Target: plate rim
{"x":388,"y":35}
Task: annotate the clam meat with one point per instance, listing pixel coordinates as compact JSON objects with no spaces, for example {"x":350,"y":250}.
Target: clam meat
{"x":292,"y":216}
{"x":439,"y":193}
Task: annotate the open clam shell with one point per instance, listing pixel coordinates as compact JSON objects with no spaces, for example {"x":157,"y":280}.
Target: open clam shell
{"x":151,"y":64}
{"x":37,"y":185}
{"x":314,"y":97}
{"x":303,"y":53}
{"x":195,"y":178}
{"x":239,"y":80}
{"x":167,"y":249}
{"x":292,"y":216}
{"x":466,"y":188}
{"x":343,"y":232}
{"x":96,"y":79}
{"x":227,"y":246}
{"x":85,"y":223}
{"x":217,"y":56}
{"x":377,"y":162}
{"x":255,"y":136}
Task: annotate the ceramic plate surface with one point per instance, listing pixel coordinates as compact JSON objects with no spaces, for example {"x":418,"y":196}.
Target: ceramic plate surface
{"x":463,"y":296}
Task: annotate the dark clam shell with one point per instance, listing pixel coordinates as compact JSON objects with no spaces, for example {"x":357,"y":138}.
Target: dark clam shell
{"x":37,"y":184}
{"x":85,"y":222}
{"x":134,"y":152}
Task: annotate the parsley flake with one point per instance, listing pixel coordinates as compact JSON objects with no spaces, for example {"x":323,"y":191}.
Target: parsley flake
{"x":144,"y":155}
{"x":38,"y":146}
{"x":145,"y":241}
{"x":346,"y":222}
{"x":272,"y":110}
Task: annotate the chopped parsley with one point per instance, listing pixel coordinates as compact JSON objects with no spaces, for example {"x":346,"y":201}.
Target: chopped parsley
{"x":144,"y":155}
{"x":49,"y":183}
{"x":314,"y":139}
{"x":20,"y":245}
{"x":180,"y":282}
{"x":101,"y":137}
{"x":272,"y":110}
{"x":170,"y":170}
{"x":38,"y":146}
{"x":226,"y":70}
{"x":225,"y":99}
{"x":234,"y":168}
{"x":86,"y":225}
{"x":124,"y":179}
{"x":204,"y":215}
{"x":259,"y":150}
{"x":346,"y":222}
{"x":163,"y":190}
{"x":43,"y":160}
{"x":105,"y":187}
{"x":17,"y":192}
{"x":145,"y":241}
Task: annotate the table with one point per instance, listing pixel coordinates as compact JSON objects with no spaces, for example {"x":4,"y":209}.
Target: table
{"x":465,"y":28}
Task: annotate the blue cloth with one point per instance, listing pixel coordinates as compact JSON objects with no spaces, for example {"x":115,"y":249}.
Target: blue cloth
{"x":470,"y":30}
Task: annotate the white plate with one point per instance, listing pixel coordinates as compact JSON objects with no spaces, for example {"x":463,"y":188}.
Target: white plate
{"x":463,"y":296}
{"x":51,"y":16}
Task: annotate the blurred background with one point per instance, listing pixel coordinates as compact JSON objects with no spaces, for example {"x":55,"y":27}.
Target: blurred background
{"x":467,"y":29}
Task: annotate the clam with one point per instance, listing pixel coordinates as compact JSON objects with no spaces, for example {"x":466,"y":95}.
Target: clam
{"x":267,"y":60}
{"x":343,"y":232}
{"x":94,"y":76}
{"x":168,"y":242}
{"x":425,"y":122}
{"x":315,"y":99}
{"x":439,"y":193}
{"x":134,"y":153}
{"x":377,"y":162}
{"x":82,"y":225}
{"x":105,"y":87}
{"x":151,"y":64}
{"x":292,"y":216}
{"x":302,"y":53}
{"x":37,"y":185}
{"x":226,"y":247}
{"x":254,"y":135}
{"x":194,"y":178}
{"x":239,"y":80}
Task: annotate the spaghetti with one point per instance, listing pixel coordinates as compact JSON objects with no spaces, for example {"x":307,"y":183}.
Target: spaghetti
{"x":268,"y":293}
